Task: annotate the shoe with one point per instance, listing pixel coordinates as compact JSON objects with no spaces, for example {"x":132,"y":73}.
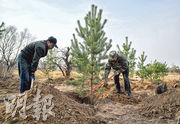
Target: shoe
{"x":128,"y":93}
{"x":119,"y":92}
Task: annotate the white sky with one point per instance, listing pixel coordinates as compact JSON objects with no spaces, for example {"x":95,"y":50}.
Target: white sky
{"x":153,"y":26}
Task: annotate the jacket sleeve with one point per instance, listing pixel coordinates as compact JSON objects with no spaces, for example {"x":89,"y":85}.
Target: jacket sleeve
{"x":107,"y":70}
{"x":37,"y":55}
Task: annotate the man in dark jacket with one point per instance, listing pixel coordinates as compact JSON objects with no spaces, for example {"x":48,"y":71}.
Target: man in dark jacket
{"x":28,"y":60}
{"x":120,"y":65}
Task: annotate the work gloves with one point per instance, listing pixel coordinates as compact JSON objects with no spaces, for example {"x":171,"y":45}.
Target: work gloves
{"x":32,"y":76}
{"x":116,"y":73}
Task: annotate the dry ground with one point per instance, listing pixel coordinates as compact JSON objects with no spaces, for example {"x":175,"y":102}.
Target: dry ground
{"x":142,"y":107}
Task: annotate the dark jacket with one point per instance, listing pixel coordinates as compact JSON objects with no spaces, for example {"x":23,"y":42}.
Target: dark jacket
{"x":33,"y":52}
{"x":121,"y":64}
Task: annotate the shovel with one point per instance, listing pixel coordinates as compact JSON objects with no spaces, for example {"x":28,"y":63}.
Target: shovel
{"x":96,"y":88}
{"x":32,"y":83}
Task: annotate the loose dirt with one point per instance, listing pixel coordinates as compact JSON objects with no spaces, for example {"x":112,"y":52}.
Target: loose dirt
{"x":142,"y":107}
{"x":67,"y":110}
{"x":164,"y":105}
{"x":9,"y":85}
{"x":117,"y":113}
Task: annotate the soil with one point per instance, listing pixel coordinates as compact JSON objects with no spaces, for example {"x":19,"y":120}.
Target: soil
{"x":164,"y":105}
{"x":117,"y":113}
{"x":9,"y":85}
{"x":142,"y":107}
{"x":67,"y":110}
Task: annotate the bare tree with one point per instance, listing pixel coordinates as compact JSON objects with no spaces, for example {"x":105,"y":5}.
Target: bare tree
{"x":11,"y":43}
{"x":2,"y":28}
{"x":1,"y":67}
{"x":63,"y":61}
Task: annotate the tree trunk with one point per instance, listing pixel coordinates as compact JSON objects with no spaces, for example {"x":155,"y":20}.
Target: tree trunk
{"x":68,"y":73}
{"x":92,"y":78}
{"x":68,"y":69}
{"x":61,"y":69}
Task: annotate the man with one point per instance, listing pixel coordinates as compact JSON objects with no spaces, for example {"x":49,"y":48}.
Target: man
{"x":28,"y":60}
{"x":120,"y":65}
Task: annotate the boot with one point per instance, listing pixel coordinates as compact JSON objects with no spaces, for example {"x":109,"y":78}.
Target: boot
{"x":128,"y":93}
{"x":119,"y":91}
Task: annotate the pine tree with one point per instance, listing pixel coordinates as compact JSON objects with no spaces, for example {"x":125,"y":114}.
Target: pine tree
{"x":141,"y":61}
{"x":129,"y":53}
{"x":142,"y":72}
{"x":156,"y":71}
{"x":49,"y":63}
{"x":87,"y":55}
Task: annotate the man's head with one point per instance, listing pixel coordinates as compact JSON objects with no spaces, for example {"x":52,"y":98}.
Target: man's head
{"x":51,"y":41}
{"x":113,"y":56}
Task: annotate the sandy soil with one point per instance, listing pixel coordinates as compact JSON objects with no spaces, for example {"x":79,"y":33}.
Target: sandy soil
{"x":142,"y":107}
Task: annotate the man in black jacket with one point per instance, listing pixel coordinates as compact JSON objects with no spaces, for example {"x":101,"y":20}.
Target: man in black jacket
{"x":120,"y":65}
{"x":28,"y":60}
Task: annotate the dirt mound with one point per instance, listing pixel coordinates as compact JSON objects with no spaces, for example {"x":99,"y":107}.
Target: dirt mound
{"x":124,"y":99}
{"x":67,"y":111}
{"x":171,"y":84}
{"x":142,"y":86}
{"x":165,"y":105}
{"x":111,"y":94}
{"x":9,"y":85}
{"x":74,"y":96}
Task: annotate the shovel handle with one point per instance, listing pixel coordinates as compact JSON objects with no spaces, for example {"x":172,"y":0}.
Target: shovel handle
{"x":99,"y":86}
{"x":32,"y":83}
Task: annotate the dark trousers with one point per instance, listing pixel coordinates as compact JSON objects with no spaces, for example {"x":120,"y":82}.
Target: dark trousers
{"x":24,"y":74}
{"x":126,"y":81}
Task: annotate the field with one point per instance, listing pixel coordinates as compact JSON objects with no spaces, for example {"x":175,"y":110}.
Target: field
{"x":107,"y":107}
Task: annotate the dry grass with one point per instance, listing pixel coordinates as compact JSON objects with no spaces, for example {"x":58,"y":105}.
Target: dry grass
{"x":172,"y":76}
{"x":54,"y":75}
{"x":58,"y":74}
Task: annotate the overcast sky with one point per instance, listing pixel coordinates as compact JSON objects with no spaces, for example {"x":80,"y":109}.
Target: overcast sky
{"x":153,"y":26}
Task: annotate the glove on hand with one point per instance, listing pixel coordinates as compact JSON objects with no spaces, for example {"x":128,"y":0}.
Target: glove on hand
{"x":116,"y":73}
{"x":32,"y":76}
